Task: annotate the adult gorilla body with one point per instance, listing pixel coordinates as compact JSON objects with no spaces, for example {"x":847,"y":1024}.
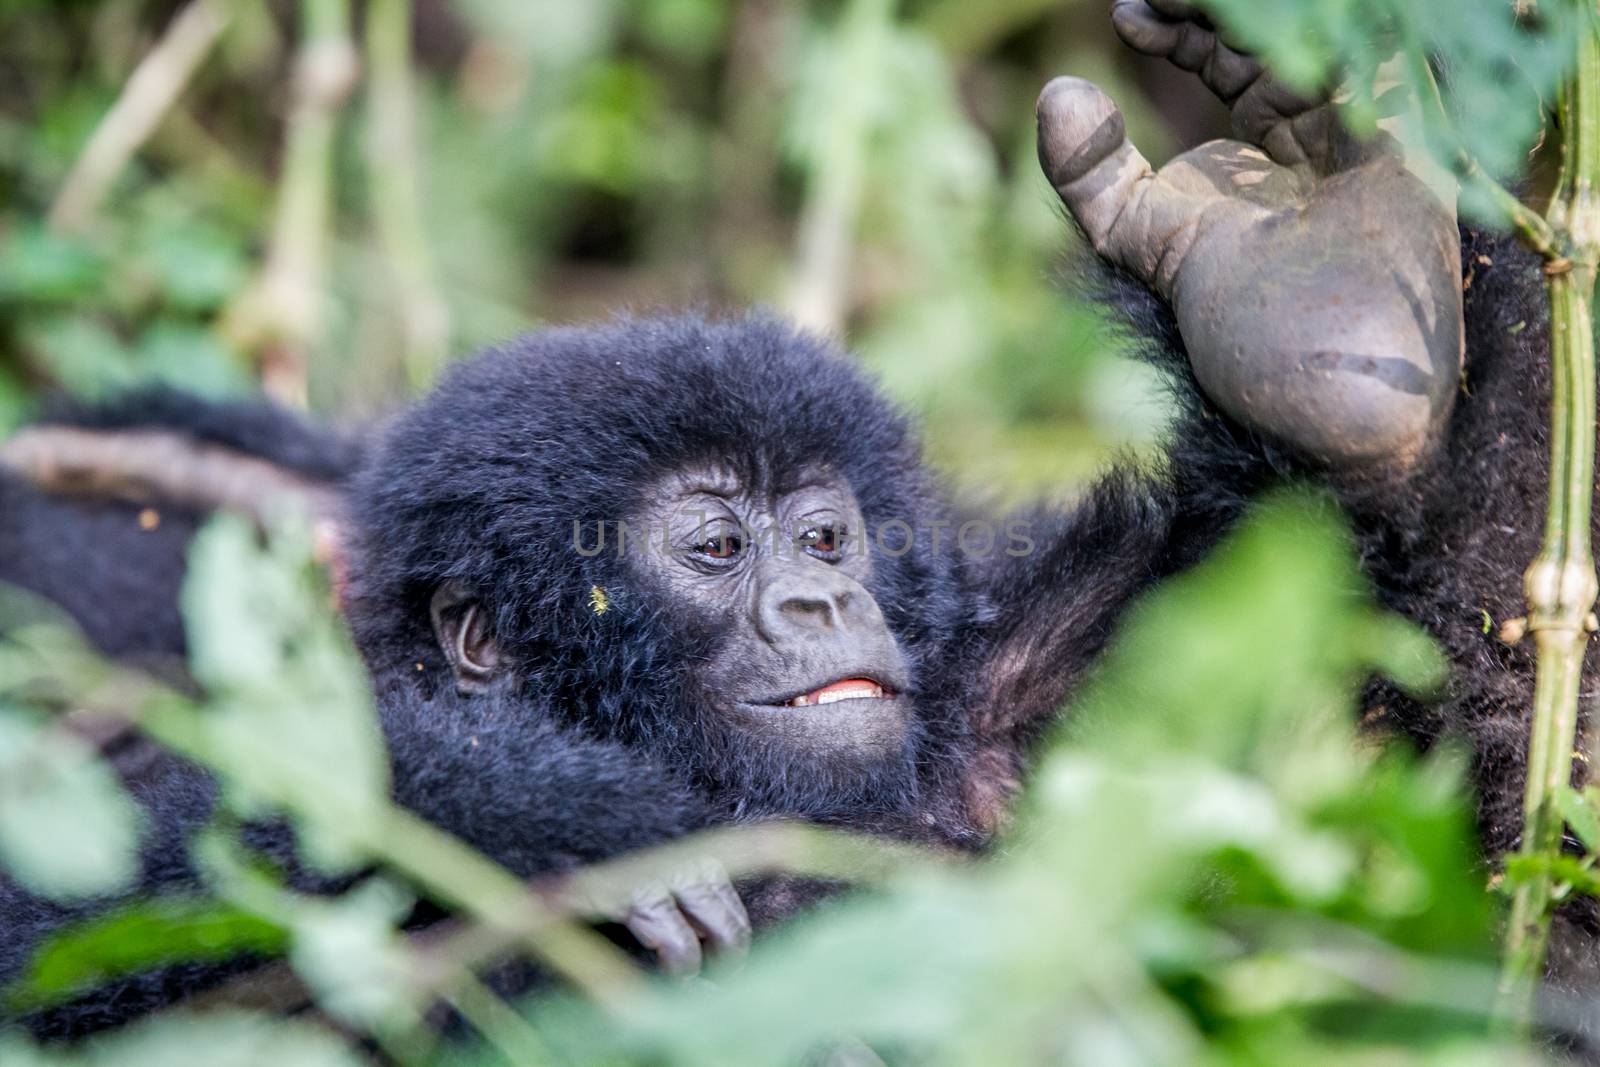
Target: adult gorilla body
{"x":553,"y":705}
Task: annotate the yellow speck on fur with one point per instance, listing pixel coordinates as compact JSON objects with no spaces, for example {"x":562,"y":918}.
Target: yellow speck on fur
{"x":598,"y":600}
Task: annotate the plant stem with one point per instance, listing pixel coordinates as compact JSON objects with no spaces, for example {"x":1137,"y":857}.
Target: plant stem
{"x":1561,"y":584}
{"x":836,"y":171}
{"x":516,"y":1039}
{"x":280,"y":316}
{"x":392,"y":170}
{"x":151,"y":90}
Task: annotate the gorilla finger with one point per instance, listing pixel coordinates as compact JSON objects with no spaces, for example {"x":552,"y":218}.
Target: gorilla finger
{"x":718,"y":912}
{"x":658,"y":924}
{"x":1085,"y":152}
{"x":1190,"y":45}
{"x":1143,"y":29}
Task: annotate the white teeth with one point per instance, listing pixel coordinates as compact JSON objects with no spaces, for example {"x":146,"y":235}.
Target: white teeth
{"x":857,"y":692}
{"x":864,"y":691}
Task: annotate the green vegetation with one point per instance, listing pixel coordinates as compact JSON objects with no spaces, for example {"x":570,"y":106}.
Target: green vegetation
{"x":866,"y":166}
{"x":1208,"y":867}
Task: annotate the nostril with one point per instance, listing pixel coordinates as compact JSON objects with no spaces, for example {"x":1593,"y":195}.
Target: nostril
{"x":811,"y":611}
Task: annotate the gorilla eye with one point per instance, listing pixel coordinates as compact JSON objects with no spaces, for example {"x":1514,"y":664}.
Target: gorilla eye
{"x":822,"y":541}
{"x":721,"y":546}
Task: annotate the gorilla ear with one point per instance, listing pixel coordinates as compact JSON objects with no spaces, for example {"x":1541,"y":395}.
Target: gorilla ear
{"x":461,"y":626}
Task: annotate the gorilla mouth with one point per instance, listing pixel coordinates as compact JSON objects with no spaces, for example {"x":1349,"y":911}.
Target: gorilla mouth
{"x":872,"y":688}
{"x":833,"y":692}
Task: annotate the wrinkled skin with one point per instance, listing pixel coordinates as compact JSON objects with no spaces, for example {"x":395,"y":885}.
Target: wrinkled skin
{"x":792,"y":569}
{"x":1315,"y":279}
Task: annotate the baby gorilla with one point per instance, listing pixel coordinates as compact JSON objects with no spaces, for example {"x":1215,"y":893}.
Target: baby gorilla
{"x":677,"y":536}
{"x":618,"y":583}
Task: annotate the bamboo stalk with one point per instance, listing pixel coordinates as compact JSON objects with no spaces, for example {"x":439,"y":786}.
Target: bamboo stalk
{"x":1561,"y":584}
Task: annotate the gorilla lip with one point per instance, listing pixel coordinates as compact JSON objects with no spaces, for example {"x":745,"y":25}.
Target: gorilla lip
{"x":833,"y":692}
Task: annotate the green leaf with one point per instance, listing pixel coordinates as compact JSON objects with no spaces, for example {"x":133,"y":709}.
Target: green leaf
{"x":1570,"y":871}
{"x":192,"y":358}
{"x":39,"y":266}
{"x":351,"y":957}
{"x":82,"y":353}
{"x":67,"y":829}
{"x":196,"y":266}
{"x":139,"y":937}
{"x":1581,"y":814}
{"x":292,"y":723}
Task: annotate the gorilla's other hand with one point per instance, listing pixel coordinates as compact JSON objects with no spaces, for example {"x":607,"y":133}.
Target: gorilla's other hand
{"x":670,"y":914}
{"x":1315,"y":280}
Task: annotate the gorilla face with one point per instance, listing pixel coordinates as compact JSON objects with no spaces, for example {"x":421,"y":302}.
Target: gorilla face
{"x":805,"y":657}
{"x":744,"y":635}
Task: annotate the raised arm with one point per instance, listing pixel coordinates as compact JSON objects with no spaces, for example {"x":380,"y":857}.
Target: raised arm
{"x":1303,"y":291}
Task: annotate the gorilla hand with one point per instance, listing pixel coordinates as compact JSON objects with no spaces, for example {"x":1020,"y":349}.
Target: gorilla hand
{"x":1315,"y":279}
{"x":672,"y":916}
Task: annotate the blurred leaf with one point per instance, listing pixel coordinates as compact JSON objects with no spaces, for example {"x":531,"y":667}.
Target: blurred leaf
{"x":351,"y":957}
{"x":544,"y":31}
{"x":81,"y":353}
{"x":291,"y":711}
{"x":39,"y":266}
{"x":16,"y":403}
{"x":690,"y":29}
{"x":136,"y":938}
{"x":66,"y":827}
{"x":197,"y":267}
{"x":192,"y":358}
{"x":1265,"y":642}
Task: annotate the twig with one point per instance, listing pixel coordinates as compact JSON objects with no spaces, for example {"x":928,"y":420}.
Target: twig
{"x":157,"y":81}
{"x":392,"y":168}
{"x":142,"y":465}
{"x":1534,"y":229}
{"x":518,"y":1043}
{"x":1561,"y":583}
{"x":280,"y":316}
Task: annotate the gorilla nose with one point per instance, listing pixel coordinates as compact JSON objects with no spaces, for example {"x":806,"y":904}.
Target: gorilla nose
{"x":814,"y":601}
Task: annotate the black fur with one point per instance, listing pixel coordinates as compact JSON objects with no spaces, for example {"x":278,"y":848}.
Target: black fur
{"x":482,"y":484}
{"x":532,"y":796}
